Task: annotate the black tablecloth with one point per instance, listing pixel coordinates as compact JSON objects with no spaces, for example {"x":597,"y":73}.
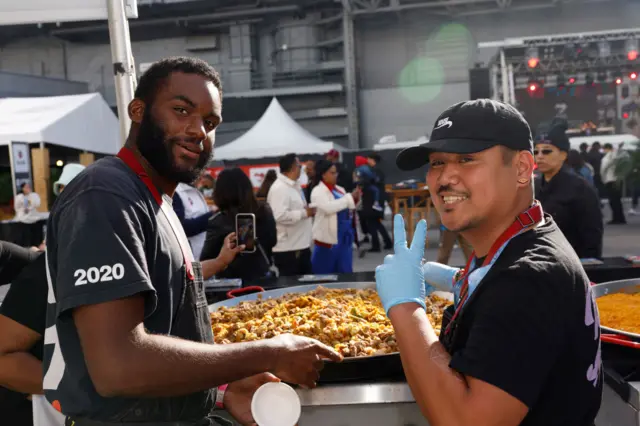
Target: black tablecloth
{"x":23,"y":234}
{"x":614,"y":268}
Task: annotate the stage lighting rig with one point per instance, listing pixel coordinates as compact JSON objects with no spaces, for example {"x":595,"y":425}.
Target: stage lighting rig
{"x":604,"y":49}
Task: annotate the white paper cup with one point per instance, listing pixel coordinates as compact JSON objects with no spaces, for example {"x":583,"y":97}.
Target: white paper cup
{"x":276,"y":404}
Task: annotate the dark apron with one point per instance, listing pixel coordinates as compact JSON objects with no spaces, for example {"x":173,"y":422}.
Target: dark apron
{"x":191,"y":322}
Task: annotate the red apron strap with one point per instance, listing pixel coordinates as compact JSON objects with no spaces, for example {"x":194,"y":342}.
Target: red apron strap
{"x":127,"y":156}
{"x":525,"y":220}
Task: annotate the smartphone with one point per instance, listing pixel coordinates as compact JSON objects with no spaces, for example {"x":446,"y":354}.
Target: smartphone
{"x":246,"y":231}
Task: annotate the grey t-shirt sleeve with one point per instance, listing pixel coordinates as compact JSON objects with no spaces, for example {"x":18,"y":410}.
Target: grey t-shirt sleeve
{"x":99,"y":240}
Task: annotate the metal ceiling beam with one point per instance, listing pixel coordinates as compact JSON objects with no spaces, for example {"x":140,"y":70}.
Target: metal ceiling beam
{"x":235,"y":14}
{"x":363,"y":7}
{"x":561,"y":39}
{"x":453,"y":8}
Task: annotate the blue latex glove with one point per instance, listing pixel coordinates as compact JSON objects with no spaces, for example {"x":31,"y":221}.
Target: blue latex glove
{"x":438,"y":276}
{"x":399,"y":279}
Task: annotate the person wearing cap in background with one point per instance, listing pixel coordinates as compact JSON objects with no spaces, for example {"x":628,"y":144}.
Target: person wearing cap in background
{"x":345,"y":178}
{"x":359,"y":179}
{"x":372,"y":201}
{"x":567,"y":197}
{"x":521,"y":343}
{"x":69,"y":172}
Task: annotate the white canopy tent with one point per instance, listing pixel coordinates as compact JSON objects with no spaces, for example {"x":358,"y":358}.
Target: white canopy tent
{"x":390,"y":142}
{"x":275,"y":134}
{"x":83,"y":122}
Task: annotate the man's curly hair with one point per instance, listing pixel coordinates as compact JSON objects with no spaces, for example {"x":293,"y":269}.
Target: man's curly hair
{"x":157,"y":73}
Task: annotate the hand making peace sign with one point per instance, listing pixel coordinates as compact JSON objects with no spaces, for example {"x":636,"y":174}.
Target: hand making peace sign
{"x":400,"y":279}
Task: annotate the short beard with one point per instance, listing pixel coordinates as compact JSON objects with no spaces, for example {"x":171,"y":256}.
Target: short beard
{"x":158,"y":151}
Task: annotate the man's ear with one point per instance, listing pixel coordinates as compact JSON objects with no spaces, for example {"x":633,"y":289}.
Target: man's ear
{"x":525,"y":163}
{"x":136,"y":110}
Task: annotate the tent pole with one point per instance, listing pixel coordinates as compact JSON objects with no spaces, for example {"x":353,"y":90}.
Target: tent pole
{"x":505,"y":78}
{"x":123,"y":66}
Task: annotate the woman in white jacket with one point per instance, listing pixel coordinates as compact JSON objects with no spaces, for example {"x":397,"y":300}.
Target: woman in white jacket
{"x":332,"y":227}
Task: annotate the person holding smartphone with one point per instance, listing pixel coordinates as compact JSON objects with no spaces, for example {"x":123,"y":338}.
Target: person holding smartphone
{"x":257,"y":231}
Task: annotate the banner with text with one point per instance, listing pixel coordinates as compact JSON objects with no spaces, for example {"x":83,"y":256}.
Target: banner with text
{"x":20,"y":165}
{"x":257,"y":172}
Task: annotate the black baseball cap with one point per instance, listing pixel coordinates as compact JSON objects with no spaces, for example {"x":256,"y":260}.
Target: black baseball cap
{"x":469,"y":127}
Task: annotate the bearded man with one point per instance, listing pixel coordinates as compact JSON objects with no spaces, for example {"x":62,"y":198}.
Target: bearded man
{"x":128,"y":336}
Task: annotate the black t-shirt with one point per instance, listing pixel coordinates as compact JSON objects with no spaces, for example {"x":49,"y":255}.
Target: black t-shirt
{"x":26,"y":304}
{"x":107,"y":239}
{"x":531,"y":328}
{"x":575,"y":207}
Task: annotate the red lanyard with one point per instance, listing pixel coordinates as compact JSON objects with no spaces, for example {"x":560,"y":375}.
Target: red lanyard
{"x":127,"y":156}
{"x":524,"y":221}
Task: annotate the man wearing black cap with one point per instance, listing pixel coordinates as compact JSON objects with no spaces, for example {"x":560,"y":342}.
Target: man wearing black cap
{"x":521,"y":344}
{"x":568,"y":198}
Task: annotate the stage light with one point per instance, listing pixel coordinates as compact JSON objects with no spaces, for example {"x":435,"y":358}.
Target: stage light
{"x":633,"y":75}
{"x":572,"y":80}
{"x":534,"y":86}
{"x":631,"y":46}
{"x":617,"y":78}
{"x":533,"y":57}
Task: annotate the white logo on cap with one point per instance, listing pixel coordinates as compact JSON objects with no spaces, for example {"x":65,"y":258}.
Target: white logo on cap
{"x":444,"y":122}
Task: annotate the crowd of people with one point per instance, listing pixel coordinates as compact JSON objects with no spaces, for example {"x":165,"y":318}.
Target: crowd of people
{"x":300,"y":230}
{"x":109,"y":325}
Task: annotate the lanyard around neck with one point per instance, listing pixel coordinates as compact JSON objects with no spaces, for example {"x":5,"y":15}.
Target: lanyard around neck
{"x":523,"y":222}
{"x":128,"y":158}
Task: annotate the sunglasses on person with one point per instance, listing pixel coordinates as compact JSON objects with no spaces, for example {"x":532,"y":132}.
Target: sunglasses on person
{"x":542,"y":151}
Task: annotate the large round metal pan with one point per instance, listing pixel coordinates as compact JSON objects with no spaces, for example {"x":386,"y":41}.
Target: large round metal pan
{"x":631,"y":286}
{"x":353,"y":368}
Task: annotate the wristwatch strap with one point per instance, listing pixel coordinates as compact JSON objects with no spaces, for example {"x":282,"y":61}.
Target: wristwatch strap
{"x":220,"y":391}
